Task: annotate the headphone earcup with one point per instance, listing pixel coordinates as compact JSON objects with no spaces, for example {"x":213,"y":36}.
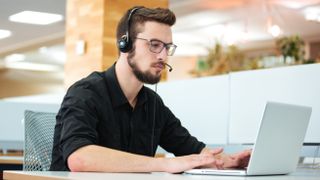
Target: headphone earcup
{"x":124,"y":44}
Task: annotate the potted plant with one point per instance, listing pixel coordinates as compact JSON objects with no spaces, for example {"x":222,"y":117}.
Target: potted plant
{"x":291,"y":46}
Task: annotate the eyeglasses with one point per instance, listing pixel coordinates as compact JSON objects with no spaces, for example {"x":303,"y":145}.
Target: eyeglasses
{"x":156,"y":46}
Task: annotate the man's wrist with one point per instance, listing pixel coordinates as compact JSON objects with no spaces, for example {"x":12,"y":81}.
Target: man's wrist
{"x":159,"y":165}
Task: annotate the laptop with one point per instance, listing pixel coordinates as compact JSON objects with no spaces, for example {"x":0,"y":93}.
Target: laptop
{"x":279,"y":141}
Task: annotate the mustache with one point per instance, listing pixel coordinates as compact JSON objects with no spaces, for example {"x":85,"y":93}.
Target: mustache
{"x":163,"y":65}
{"x":159,"y":63}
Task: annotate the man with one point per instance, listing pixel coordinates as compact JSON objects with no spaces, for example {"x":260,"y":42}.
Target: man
{"x":110,"y":122}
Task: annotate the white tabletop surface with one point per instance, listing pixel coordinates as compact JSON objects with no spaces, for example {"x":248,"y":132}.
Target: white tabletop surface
{"x":300,"y":174}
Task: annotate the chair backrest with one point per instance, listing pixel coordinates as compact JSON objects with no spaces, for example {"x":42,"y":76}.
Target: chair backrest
{"x":39,"y":129}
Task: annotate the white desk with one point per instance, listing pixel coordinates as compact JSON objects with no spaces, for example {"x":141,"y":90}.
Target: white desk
{"x":11,"y":160}
{"x":301,"y":174}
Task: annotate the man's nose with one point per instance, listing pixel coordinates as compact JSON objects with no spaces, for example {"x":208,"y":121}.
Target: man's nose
{"x":163,"y":55}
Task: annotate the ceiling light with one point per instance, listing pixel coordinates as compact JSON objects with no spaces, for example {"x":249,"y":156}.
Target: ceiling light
{"x":291,"y":4}
{"x":311,"y":16}
{"x":14,"y":58}
{"x":312,"y":13}
{"x":4,"y":33}
{"x":32,"y":17}
{"x":274,"y":30}
{"x":33,"y":66}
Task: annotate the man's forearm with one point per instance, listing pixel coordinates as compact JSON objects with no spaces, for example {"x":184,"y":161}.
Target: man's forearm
{"x":101,"y":159}
{"x":97,"y":158}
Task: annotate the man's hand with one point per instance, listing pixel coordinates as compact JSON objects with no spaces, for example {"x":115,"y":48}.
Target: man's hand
{"x":237,"y":160}
{"x":182,"y":163}
{"x":217,"y":154}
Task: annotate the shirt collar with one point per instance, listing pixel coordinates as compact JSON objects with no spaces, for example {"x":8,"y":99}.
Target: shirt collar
{"x":116,"y":94}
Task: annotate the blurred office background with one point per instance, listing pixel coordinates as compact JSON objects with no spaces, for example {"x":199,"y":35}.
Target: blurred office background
{"x":213,"y":37}
{"x":225,"y":49}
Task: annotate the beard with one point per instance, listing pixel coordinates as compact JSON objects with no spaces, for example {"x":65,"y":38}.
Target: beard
{"x":145,"y":77}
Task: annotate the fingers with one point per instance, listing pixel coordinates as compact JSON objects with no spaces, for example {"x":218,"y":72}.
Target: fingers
{"x":241,"y":159}
{"x":210,"y":158}
{"x":207,"y":161}
{"x":221,"y":160}
{"x":219,"y":164}
{"x":202,"y":160}
{"x":245,"y":159}
{"x":217,"y":154}
{"x":182,"y":163}
{"x":216,"y":151}
{"x":243,"y":154}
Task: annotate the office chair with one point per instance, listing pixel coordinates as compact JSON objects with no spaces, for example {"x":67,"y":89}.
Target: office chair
{"x":39,"y":129}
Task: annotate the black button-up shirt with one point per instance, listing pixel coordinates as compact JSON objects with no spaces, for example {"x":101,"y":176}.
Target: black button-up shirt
{"x":96,"y":111}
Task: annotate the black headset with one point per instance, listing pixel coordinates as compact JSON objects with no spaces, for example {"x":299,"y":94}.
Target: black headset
{"x":125,"y":43}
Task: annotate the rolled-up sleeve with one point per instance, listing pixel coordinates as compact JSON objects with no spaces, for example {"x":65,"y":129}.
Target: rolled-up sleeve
{"x":79,"y":122}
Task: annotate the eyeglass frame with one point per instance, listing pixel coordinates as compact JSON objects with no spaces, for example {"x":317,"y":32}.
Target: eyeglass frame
{"x":165,"y":45}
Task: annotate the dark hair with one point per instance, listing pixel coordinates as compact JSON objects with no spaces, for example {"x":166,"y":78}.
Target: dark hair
{"x":140,"y":16}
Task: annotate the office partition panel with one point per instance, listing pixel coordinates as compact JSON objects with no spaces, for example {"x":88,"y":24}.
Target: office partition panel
{"x":250,"y":90}
{"x":11,"y":121}
{"x":201,"y":104}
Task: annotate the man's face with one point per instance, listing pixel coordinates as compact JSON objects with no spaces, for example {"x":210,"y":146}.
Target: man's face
{"x":145,"y":64}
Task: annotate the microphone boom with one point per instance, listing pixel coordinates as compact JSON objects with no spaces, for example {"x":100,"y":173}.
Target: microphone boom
{"x":170,"y":67}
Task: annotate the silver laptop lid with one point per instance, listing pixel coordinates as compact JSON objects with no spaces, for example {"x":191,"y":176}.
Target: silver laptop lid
{"x":279,"y":140}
